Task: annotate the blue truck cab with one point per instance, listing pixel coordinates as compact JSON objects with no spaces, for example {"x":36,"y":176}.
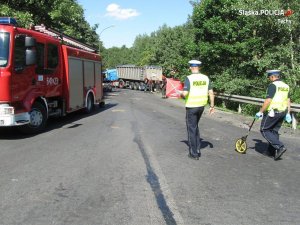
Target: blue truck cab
{"x":111,"y":75}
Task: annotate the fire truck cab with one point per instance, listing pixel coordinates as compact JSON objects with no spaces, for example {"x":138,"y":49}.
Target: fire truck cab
{"x":44,"y":73}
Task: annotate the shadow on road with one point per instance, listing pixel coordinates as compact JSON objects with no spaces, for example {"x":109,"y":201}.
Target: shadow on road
{"x":261,"y":147}
{"x":11,"y":133}
{"x":204,"y":144}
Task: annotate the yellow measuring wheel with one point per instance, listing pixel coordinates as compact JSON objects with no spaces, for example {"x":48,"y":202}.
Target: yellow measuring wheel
{"x":241,"y":144}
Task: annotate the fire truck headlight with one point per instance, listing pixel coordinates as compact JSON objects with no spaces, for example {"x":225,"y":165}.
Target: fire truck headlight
{"x":7,"y":110}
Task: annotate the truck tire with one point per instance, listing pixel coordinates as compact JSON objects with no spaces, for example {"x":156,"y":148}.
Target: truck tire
{"x":121,"y":84}
{"x":38,"y":119}
{"x":131,"y":85}
{"x":89,"y":104}
{"x":141,"y":86}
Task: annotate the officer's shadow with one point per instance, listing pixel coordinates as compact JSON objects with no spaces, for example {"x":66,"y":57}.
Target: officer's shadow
{"x":204,"y":144}
{"x":261,"y":147}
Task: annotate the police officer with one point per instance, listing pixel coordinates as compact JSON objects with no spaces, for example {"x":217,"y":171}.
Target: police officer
{"x":274,"y":110}
{"x":196,"y":89}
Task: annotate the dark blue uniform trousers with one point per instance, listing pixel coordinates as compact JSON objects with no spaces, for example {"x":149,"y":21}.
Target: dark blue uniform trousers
{"x":193,"y":116}
{"x":269,"y":129}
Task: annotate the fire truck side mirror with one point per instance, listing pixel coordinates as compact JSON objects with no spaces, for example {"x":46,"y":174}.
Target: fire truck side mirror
{"x":30,"y":42}
{"x":30,"y":57}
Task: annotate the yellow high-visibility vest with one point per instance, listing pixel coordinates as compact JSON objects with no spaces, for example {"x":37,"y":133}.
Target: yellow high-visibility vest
{"x":280,"y":99}
{"x":198,"y":93}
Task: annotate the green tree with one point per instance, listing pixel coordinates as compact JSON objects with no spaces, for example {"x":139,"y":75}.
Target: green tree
{"x":115,"y":56}
{"x":174,"y":47}
{"x":67,"y":16}
{"x":237,"y":49}
{"x":143,"y":49}
{"x":168,"y":47}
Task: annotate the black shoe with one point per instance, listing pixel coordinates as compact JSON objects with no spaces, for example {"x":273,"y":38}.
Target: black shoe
{"x":199,"y":154}
{"x":271,"y":151}
{"x":278,"y":153}
{"x":193,"y":157}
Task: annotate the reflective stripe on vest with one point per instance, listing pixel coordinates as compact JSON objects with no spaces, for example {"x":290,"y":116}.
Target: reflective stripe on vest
{"x":198,"y":93}
{"x":280,"y":99}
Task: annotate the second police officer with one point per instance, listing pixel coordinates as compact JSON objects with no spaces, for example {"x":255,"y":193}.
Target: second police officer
{"x":274,"y":110}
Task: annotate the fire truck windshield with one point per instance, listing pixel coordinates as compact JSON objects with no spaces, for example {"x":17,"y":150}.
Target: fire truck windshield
{"x":4,"y":48}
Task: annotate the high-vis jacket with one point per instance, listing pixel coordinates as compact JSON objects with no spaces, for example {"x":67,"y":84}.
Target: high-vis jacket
{"x":198,"y":93}
{"x":280,"y":99}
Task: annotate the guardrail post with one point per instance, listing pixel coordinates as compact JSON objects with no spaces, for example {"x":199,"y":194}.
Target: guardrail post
{"x":240,"y":109}
{"x":294,"y":122}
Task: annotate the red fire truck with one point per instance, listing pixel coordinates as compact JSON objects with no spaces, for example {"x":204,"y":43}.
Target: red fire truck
{"x":44,"y":73}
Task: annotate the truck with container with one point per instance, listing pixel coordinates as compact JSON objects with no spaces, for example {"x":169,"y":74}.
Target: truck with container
{"x":44,"y":73}
{"x":138,"y":77}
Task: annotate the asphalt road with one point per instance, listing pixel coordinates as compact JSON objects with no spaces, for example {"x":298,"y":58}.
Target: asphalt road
{"x":128,"y":164}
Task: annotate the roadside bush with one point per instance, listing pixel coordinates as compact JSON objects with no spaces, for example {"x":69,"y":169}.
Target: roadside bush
{"x":250,"y":109}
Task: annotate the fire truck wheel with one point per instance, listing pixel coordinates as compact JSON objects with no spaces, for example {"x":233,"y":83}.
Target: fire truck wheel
{"x":89,"y":104}
{"x":38,"y":119}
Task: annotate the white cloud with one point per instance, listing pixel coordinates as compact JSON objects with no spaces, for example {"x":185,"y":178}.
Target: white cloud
{"x":114,"y":10}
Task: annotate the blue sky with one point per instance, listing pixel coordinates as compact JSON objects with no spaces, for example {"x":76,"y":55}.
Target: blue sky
{"x":120,"y":21}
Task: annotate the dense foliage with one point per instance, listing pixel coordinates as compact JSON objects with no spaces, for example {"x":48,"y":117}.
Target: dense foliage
{"x":235,"y":45}
{"x":66,"y":16}
{"x":237,"y":49}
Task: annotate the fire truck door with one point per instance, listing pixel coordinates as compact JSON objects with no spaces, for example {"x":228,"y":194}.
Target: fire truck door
{"x":23,"y":77}
{"x":48,"y":79}
{"x":52,"y":73}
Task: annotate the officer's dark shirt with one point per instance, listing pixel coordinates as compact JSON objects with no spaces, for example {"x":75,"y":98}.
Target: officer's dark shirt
{"x":272,"y":90}
{"x":187,"y":85}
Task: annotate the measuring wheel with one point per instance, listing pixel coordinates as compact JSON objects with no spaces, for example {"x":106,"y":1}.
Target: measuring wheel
{"x":241,"y":145}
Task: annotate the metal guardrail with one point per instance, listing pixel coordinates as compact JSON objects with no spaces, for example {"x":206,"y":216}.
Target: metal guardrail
{"x":251,"y":100}
{"x":257,"y":101}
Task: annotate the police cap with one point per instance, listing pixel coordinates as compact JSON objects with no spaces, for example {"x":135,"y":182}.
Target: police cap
{"x":195,"y":63}
{"x":273,"y":72}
